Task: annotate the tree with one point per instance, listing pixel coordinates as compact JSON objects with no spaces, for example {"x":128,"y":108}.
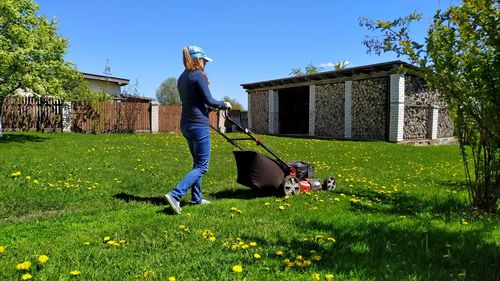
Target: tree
{"x":234,"y":103}
{"x":167,"y":93}
{"x":310,"y":69}
{"x":341,"y":64}
{"x":459,"y":59}
{"x":32,"y":55}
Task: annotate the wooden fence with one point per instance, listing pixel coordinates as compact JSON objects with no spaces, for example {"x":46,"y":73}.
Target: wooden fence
{"x":169,"y":118}
{"x":29,"y":113}
{"x":104,"y":117}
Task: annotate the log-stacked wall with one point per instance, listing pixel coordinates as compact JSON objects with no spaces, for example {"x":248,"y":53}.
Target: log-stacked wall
{"x":259,"y":112}
{"x":369,"y":108}
{"x":419,"y":103}
{"x":445,"y":124}
{"x":330,"y":110}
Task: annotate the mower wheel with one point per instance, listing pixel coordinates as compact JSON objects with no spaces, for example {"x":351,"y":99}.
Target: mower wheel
{"x":330,"y":184}
{"x":290,"y":186}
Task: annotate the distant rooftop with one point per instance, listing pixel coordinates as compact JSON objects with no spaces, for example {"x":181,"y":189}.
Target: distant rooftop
{"x":391,"y":67}
{"x":119,"y":81}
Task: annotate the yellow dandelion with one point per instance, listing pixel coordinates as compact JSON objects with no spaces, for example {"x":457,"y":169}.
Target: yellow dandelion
{"x":237,"y":268}
{"x":288,"y":263}
{"x":253,"y":244}
{"x":16,"y":174}
{"x":279,"y":253}
{"x":317,"y":257}
{"x":107,"y":238}
{"x":267,"y":204}
{"x":75,"y":273}
{"x":35,"y":181}
{"x":281,"y":207}
{"x":331,"y":239}
{"x":123,"y":241}
{"x":256,"y":256}
{"x":42,"y":259}
{"x":299,"y":258}
{"x":2,"y":249}
{"x":246,"y":246}
{"x":26,"y":276}
{"x":316,"y":276}
{"x":171,"y":278}
{"x":28,"y":177}
{"x":24,"y":265}
{"x":319,"y":237}
{"x":329,"y":276}
{"x":86,"y":243}
{"x":212,"y":238}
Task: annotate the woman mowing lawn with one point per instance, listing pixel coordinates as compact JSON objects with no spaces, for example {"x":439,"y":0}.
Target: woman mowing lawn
{"x":195,"y":97}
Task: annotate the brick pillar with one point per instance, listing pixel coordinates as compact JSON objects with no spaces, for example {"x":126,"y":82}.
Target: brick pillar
{"x":348,"y":110}
{"x":273,"y":112}
{"x":397,"y":107}
{"x":433,"y":121}
{"x":66,"y":116}
{"x":155,"y":111}
{"x":312,"y":109}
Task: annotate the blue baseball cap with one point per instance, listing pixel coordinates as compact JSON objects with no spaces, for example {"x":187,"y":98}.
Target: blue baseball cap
{"x":197,"y":53}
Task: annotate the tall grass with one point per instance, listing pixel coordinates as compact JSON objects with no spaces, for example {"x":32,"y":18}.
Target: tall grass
{"x":93,"y":204}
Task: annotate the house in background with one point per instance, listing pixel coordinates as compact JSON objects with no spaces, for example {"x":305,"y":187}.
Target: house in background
{"x":112,"y":86}
{"x":374,"y":102}
{"x":105,"y":84}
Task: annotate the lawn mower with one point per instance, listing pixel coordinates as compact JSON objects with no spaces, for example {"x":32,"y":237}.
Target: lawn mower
{"x":263,"y":173}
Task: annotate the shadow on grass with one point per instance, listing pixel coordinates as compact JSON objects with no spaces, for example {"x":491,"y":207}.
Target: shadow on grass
{"x":388,"y":252}
{"x":369,"y":250}
{"x":246,"y":194}
{"x":21,"y":138}
{"x":404,"y":204}
{"x":157,"y":201}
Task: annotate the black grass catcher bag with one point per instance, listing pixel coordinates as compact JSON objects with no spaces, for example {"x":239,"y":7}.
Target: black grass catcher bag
{"x":258,"y":171}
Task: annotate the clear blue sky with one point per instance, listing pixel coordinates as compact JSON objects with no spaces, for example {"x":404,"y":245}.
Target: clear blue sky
{"x":249,"y":40}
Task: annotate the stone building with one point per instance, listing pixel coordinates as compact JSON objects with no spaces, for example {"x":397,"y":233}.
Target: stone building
{"x":387,"y":101}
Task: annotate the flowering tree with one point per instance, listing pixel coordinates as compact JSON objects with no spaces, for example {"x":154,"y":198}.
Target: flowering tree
{"x":459,"y":59}
{"x":32,"y":55}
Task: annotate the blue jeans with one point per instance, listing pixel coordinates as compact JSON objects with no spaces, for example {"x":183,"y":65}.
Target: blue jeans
{"x":198,"y":139}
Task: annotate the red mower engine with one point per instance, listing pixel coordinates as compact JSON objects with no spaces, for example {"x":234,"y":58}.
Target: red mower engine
{"x":310,"y":185}
{"x":301,"y":179}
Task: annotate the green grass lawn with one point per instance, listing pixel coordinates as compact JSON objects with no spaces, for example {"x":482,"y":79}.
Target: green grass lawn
{"x":94,"y":205}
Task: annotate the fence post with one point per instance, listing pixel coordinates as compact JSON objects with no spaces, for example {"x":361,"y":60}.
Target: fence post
{"x":154,"y":116}
{"x":66,"y":117}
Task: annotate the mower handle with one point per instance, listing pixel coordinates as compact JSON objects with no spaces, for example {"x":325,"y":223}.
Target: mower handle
{"x":251,"y":136}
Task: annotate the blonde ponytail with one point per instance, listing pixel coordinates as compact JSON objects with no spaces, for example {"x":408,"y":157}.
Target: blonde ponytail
{"x":190,"y":63}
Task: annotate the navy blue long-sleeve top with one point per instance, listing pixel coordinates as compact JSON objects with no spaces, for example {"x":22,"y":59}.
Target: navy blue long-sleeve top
{"x":195,"y":97}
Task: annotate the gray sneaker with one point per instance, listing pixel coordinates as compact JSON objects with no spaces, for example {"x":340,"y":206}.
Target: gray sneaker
{"x":174,"y":204}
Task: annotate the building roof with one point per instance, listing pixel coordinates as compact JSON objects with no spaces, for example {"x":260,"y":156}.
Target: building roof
{"x":119,"y":81}
{"x":387,"y":67}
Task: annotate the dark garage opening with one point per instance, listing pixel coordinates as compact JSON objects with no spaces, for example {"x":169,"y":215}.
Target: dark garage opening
{"x":294,"y":110}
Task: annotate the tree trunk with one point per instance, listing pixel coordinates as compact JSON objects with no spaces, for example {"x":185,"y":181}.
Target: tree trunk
{"x":1,"y":115}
